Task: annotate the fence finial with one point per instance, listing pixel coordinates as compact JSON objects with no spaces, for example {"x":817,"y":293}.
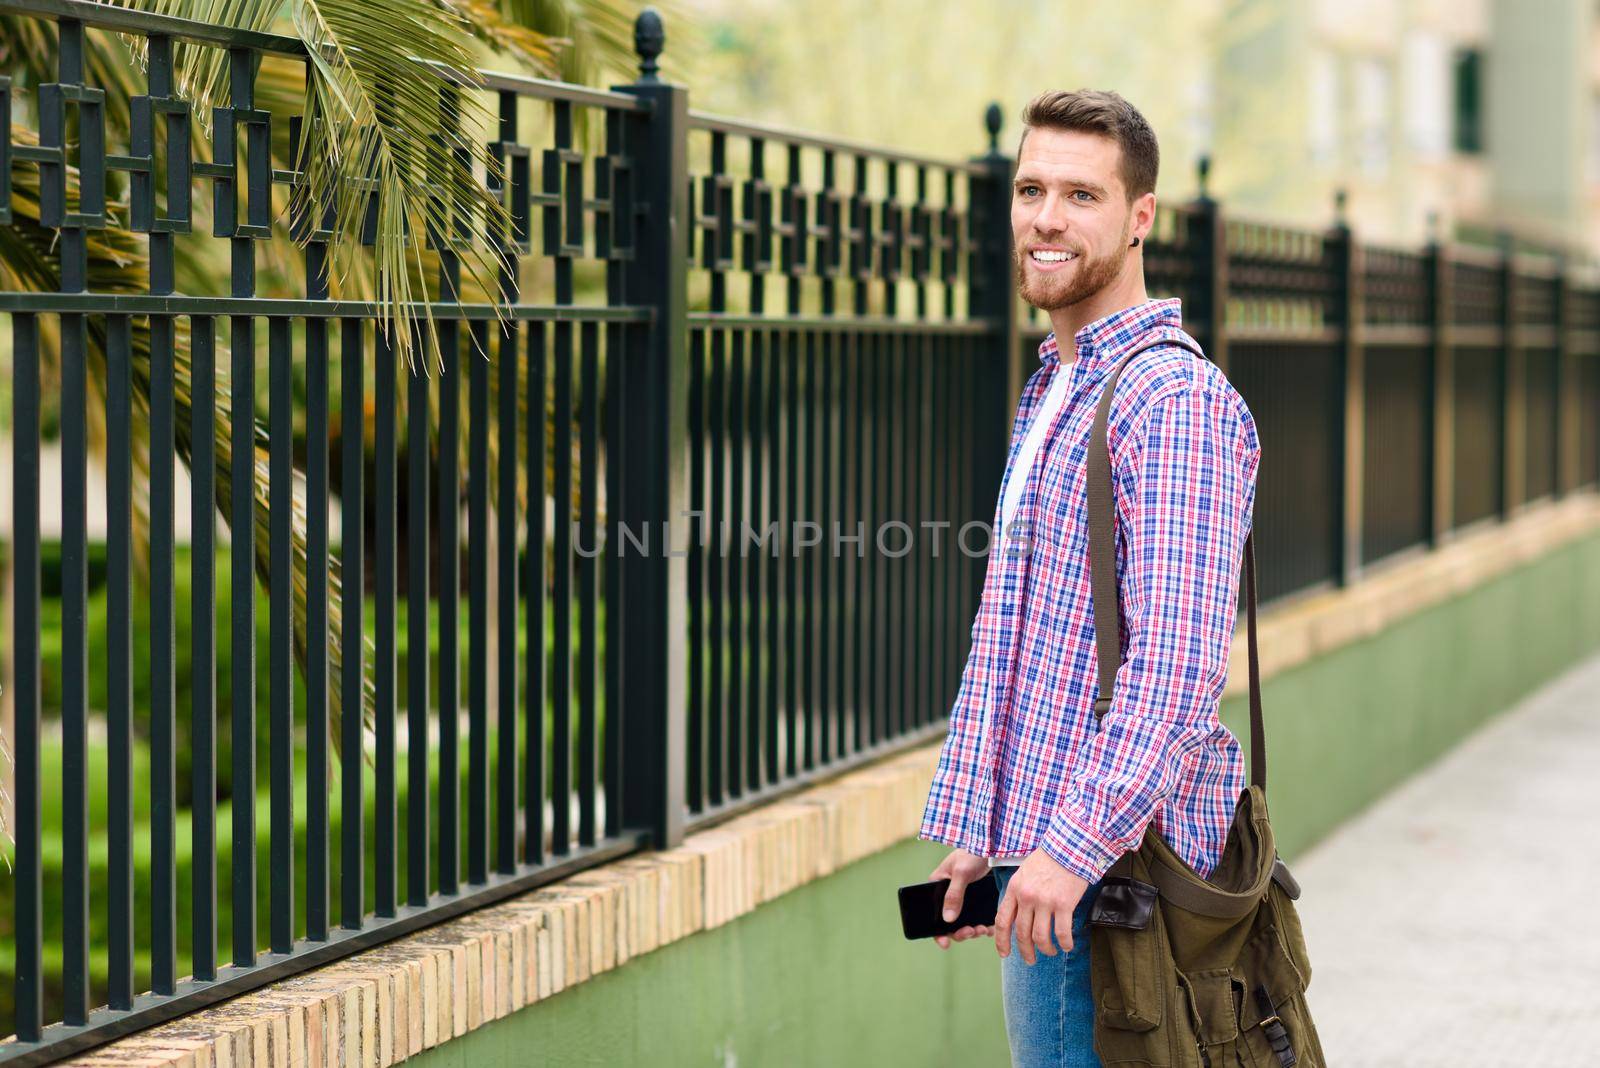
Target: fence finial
{"x":1433,"y":226}
{"x":993,"y":119}
{"x":1202,"y":168}
{"x":649,"y":38}
{"x":1340,"y":198}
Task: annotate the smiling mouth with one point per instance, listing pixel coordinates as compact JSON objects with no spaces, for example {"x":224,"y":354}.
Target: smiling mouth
{"x":1051,"y":256}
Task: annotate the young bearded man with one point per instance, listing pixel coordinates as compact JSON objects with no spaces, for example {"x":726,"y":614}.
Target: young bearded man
{"x":1030,"y":788}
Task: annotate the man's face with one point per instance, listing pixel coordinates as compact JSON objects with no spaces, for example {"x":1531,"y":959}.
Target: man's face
{"x":1068,"y":199}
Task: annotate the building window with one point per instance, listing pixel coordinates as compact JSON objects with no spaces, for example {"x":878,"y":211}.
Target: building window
{"x":1373,"y":94}
{"x":1323,"y":128}
{"x":1427,"y":80}
{"x":1469,"y":100}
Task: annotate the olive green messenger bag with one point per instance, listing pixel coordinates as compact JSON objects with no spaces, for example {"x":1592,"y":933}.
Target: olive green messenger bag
{"x":1189,"y":972}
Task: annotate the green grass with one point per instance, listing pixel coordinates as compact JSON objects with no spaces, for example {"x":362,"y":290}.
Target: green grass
{"x":100,"y":803}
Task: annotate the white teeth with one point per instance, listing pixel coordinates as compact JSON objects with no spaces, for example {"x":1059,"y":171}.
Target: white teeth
{"x":1051,"y":256}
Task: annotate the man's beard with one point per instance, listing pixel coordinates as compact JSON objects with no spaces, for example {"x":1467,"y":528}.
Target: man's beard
{"x":1062,"y":289}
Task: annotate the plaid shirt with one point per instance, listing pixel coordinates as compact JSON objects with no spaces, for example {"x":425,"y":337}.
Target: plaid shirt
{"x":1024,"y":764}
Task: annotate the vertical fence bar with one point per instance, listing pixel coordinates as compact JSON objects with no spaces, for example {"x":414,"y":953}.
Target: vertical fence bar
{"x":1513,"y":380}
{"x":1441,"y":372}
{"x":449,"y":499}
{"x":829,"y":651}
{"x":860,"y":620}
{"x":754,"y":575}
{"x":163,"y":661}
{"x":203,"y":645}
{"x":616,"y":433}
{"x":449,"y":502}
{"x":874,"y":503}
{"x":305,"y":217}
{"x":561,"y":669}
{"x":317,"y":600}
{"x":923,"y":665}
{"x":119,"y":656}
{"x":792,"y":593}
{"x":352,"y":652}
{"x":588,"y":578}
{"x":991,"y":295}
{"x":716,"y":508}
{"x":738,"y":449}
{"x":280,"y":487}
{"x":506,"y":804}
{"x":28,"y":904}
{"x":534,"y":689}
{"x":418,"y":418}
{"x":242,"y":414}
{"x":163,"y":689}
{"x":949,"y":512}
{"x":695,"y":714}
{"x":478,"y":606}
{"x":808,"y":603}
{"x":885,"y":509}
{"x":1568,"y":384}
{"x":779,"y":662}
{"x":654,"y":586}
{"x":1211,"y":255}
{"x":385,"y":602}
{"x":1346,"y":261}
{"x":74,"y":577}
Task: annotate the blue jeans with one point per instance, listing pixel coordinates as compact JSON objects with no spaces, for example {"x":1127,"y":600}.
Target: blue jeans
{"x":1048,"y":1004}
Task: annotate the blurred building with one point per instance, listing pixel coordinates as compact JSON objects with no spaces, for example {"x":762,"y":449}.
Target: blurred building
{"x":1484,"y":111}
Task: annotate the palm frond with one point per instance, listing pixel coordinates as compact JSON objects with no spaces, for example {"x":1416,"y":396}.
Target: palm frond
{"x":599,"y":34}
{"x":381,"y":159}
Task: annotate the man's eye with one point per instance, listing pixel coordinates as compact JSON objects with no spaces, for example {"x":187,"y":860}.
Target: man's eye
{"x":1085,"y":192}
{"x":1026,"y":190}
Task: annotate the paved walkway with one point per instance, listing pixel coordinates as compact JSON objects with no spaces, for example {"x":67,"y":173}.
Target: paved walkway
{"x":1457,"y":921}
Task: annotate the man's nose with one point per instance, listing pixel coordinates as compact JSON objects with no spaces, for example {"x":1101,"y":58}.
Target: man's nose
{"x":1051,"y":217}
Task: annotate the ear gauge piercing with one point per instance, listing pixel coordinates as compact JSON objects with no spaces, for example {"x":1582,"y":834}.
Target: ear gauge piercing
{"x":1135,"y":242}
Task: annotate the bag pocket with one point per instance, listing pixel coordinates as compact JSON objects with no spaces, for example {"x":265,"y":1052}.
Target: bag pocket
{"x":1134,"y":988}
{"x":1276,"y":1030}
{"x":1287,"y":919}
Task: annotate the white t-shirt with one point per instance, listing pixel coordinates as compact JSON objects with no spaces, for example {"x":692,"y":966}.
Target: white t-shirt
{"x":1028,"y":453}
{"x":1027,"y":456}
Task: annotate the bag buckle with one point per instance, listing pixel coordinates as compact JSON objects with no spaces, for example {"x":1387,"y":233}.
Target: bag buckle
{"x":1272,"y":1027}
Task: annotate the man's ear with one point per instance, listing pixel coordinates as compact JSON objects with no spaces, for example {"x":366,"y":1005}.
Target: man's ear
{"x":1144,"y":214}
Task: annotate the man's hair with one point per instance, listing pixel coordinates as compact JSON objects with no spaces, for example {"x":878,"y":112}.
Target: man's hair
{"x":1106,"y":113}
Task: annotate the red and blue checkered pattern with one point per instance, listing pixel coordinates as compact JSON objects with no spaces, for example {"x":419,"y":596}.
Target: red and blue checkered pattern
{"x":1025,"y":765}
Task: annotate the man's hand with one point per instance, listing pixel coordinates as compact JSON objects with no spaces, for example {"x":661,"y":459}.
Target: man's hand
{"x":1039,"y":892}
{"x":962,"y":869}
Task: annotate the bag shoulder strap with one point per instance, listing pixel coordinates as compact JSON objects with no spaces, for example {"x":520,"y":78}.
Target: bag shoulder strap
{"x":1103,"y":570}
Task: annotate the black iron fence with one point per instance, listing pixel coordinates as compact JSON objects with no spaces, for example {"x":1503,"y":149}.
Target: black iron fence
{"x":704,"y":469}
{"x":1400,"y":395}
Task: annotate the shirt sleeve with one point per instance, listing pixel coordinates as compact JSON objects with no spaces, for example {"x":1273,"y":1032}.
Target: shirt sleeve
{"x":1185,"y":497}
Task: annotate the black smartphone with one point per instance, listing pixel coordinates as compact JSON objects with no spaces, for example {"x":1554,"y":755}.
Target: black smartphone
{"x":922,"y":907}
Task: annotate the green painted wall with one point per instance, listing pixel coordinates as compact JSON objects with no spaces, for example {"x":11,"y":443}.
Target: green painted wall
{"x":821,"y":976}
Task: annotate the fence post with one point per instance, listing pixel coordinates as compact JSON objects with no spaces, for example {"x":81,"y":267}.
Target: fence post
{"x":1512,"y":386}
{"x":1346,"y":255}
{"x":993,"y":292}
{"x":1442,"y":376}
{"x":1210,"y":294}
{"x":1568,"y":407}
{"x":655,"y":471}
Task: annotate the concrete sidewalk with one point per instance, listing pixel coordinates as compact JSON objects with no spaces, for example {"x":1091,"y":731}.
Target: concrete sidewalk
{"x":1454,"y":922}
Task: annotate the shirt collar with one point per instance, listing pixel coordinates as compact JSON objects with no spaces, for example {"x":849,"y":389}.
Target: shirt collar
{"x":1105,"y":340}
